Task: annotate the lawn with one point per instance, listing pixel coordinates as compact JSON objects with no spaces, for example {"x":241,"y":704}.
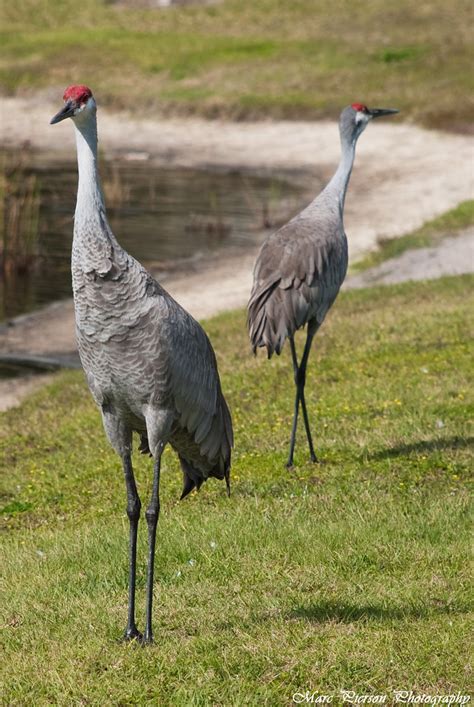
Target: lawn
{"x":350,"y":574}
{"x":245,"y":59}
{"x":428,"y":235}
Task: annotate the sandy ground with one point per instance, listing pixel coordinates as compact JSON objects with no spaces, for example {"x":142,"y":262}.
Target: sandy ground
{"x":403,"y":177}
{"x":452,"y":256}
{"x":51,"y":330}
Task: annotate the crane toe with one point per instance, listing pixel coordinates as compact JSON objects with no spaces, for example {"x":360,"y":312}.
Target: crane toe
{"x":132,"y":634}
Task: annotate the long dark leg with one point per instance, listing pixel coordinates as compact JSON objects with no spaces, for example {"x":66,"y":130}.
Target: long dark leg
{"x":152,"y":514}
{"x":301,"y":381}
{"x":133,"y":512}
{"x":289,"y":463}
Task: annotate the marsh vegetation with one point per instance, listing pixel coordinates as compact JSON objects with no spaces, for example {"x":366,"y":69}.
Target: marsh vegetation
{"x":170,"y":219}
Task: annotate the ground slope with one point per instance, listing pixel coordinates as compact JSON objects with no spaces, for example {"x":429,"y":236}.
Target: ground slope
{"x":348,"y":574}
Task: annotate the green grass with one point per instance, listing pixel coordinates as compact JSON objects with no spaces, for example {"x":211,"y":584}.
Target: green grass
{"x":449,"y":223}
{"x":348,"y":574}
{"x":244,"y":59}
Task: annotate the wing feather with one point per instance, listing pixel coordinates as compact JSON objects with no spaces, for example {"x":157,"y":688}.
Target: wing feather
{"x":297,"y":276}
{"x":196,"y":390}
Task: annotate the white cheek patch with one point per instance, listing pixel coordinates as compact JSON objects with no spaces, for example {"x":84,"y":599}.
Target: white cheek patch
{"x":90,"y":103}
{"x":361,"y":117}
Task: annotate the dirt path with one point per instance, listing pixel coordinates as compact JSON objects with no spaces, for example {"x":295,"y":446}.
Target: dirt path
{"x":454,"y":255}
{"x":226,"y":286}
{"x":403,"y":177}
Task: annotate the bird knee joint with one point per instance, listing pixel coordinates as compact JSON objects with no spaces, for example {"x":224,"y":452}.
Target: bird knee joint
{"x":133,"y":509}
{"x":152,"y":515}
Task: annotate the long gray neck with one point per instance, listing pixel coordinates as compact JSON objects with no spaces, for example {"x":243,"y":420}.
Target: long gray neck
{"x":90,"y":201}
{"x":94,"y":245}
{"x":337,"y":187}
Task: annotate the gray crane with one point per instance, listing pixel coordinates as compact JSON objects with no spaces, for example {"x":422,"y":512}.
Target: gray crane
{"x":149,"y":365}
{"x":301,"y":267}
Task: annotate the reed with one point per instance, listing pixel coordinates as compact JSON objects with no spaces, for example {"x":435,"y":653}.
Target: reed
{"x":19,"y":215}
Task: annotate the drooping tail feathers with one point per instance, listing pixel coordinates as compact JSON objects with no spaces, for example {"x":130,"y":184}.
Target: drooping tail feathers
{"x":196,"y":466}
{"x":194,"y":478}
{"x":273,"y":315}
{"x":276,"y":313}
{"x":196,"y":471}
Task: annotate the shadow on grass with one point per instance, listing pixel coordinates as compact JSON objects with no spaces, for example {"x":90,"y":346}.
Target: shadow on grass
{"x":427,"y":445}
{"x":348,"y":613}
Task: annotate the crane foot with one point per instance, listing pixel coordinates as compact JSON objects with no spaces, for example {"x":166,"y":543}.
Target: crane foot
{"x":132,"y":634}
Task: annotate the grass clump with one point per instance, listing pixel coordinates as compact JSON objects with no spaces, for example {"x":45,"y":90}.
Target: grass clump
{"x":248,"y":59}
{"x":450,"y":222}
{"x":350,"y":574}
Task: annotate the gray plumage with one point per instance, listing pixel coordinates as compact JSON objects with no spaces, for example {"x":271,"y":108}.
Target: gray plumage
{"x":301,"y":267}
{"x":297,"y":275}
{"x":149,"y":365}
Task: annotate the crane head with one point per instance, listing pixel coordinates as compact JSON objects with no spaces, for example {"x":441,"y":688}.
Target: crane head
{"x":355,"y":118}
{"x":77,"y":99}
{"x":362,"y":112}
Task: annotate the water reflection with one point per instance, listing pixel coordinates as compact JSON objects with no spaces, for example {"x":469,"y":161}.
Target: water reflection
{"x":161,"y":216}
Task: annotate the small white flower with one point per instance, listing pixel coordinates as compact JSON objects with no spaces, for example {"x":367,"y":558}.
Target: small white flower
{"x":40,"y":553}
{"x":213,"y":544}
{"x":439,"y":424}
{"x":178,"y":573}
{"x":423,"y":369}
{"x":191,"y":562}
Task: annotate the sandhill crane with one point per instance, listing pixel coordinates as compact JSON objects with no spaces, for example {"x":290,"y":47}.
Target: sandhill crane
{"x":149,"y":365}
{"x":301,"y":267}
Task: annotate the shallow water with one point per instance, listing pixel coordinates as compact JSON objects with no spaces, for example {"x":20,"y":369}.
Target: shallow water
{"x":163,"y":217}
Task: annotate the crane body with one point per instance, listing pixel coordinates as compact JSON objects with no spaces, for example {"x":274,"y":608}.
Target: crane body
{"x":149,"y":365}
{"x":301,"y":267}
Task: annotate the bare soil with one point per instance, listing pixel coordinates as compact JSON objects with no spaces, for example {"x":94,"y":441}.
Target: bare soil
{"x":454,"y":255}
{"x":403,"y":177}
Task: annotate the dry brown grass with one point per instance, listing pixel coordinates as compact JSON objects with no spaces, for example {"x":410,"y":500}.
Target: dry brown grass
{"x":245,"y":59}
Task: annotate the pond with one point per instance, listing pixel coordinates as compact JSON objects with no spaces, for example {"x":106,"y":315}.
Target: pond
{"x":163,"y":217}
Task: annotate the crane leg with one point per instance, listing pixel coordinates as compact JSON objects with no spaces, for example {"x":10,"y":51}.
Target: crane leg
{"x":300,"y":380}
{"x":289,"y":463}
{"x":133,"y":512}
{"x":301,"y":384}
{"x":152,"y":514}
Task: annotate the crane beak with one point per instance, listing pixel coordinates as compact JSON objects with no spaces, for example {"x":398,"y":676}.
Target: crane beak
{"x":66,"y":112}
{"x":378,"y":112}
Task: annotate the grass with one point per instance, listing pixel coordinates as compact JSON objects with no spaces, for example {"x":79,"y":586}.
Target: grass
{"x":350,"y":574}
{"x":431,"y":233}
{"x":245,"y":59}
